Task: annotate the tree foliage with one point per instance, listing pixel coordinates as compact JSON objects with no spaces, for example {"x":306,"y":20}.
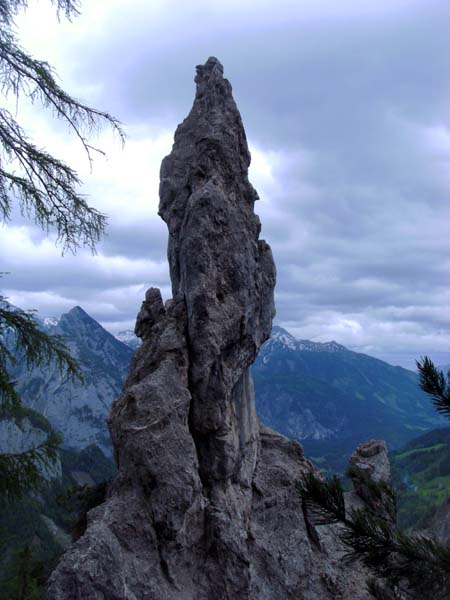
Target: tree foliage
{"x":22,"y":472}
{"x":46,"y":190}
{"x":412,"y":566}
{"x":26,"y":580}
{"x":22,"y":339}
{"x":434,"y":383}
{"x":45,"y":187}
{"x":33,"y":346}
{"x":409,"y":565}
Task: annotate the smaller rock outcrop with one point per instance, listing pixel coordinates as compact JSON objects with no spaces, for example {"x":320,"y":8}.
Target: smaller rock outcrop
{"x":370,"y":462}
{"x":370,"y":472}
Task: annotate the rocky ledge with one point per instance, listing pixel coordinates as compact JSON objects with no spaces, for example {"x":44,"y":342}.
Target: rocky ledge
{"x":205,"y":503}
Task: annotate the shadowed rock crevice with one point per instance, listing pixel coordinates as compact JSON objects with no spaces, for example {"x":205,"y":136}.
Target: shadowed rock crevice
{"x":205,"y":504}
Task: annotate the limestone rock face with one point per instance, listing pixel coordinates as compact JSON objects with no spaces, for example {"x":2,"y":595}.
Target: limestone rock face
{"x":371,"y":459}
{"x":204,"y":505}
{"x":369,"y":464}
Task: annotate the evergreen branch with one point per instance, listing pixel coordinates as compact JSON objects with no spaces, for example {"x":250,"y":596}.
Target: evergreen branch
{"x":323,"y":498}
{"x":39,"y":347}
{"x":21,"y":472}
{"x":423,"y":562}
{"x":433,"y":382}
{"x":369,"y":539}
{"x":47,"y":189}
{"x":19,"y":331}
{"x":9,"y":398}
{"x":45,"y":186}
{"x":10,"y":8}
{"x":21,"y":73}
{"x":378,"y":495}
{"x":415,"y":562}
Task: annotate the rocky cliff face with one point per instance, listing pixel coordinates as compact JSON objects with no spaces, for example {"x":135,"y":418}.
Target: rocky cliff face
{"x":204,"y":504}
{"x":78,"y":410}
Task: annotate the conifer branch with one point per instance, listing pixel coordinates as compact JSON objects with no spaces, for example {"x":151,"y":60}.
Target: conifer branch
{"x":21,"y":337}
{"x":45,"y":187}
{"x":46,"y":190}
{"x":19,"y":332}
{"x":324,"y":499}
{"x":10,"y":8}
{"x":410,"y":564}
{"x":23,"y":471}
{"x":434,"y":383}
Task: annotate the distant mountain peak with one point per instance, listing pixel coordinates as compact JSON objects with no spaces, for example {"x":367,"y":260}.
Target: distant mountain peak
{"x":281,"y":337}
{"x":77,"y":311}
{"x":321,"y":346}
{"x":284,"y":337}
{"x":77,"y":317}
{"x":78,"y":410}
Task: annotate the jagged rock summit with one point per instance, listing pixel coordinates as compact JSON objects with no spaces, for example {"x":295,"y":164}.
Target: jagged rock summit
{"x":204,"y":504}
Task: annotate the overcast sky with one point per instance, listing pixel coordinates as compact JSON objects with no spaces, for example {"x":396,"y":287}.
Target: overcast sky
{"x":347,"y":110}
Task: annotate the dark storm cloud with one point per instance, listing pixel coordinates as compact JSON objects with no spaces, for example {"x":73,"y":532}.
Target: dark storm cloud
{"x":347,"y":108}
{"x":294,"y":78}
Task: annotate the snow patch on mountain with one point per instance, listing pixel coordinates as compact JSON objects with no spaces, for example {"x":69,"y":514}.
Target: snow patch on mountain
{"x":50,"y":321}
{"x":281,"y":339}
{"x":129,"y":338}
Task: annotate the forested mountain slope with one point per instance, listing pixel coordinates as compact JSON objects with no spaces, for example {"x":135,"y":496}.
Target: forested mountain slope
{"x":331,"y":399}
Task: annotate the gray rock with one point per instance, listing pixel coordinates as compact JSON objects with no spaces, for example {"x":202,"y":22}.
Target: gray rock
{"x":205,"y":503}
{"x":372,"y":459}
{"x":370,"y":472}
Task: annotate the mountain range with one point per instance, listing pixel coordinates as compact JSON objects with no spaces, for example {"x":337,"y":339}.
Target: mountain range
{"x":322,"y":394}
{"x":78,"y":410}
{"x":332,"y":399}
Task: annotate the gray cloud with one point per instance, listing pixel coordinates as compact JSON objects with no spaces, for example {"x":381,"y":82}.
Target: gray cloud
{"x":347,"y":109}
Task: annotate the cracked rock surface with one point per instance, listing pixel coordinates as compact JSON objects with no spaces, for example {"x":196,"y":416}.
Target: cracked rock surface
{"x":204,"y":505}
